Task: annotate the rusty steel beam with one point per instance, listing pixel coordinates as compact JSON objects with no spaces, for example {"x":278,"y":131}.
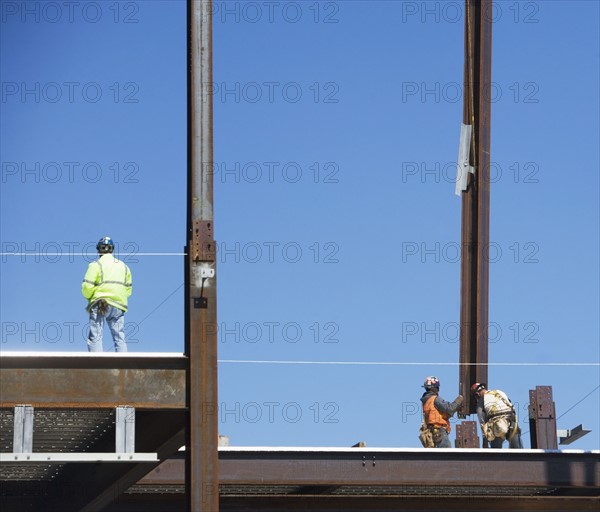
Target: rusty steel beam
{"x":202,"y":485}
{"x":528,"y":470}
{"x":405,"y":503}
{"x":93,"y":388}
{"x":542,"y":419}
{"x":475,"y":221}
{"x":172,"y":503}
{"x":441,"y":469}
{"x":466,"y":435}
{"x":92,"y":360}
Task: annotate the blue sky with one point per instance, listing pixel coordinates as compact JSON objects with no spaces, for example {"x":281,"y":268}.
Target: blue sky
{"x":336,"y":129}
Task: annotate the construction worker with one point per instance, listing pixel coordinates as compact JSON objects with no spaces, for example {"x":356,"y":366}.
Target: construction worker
{"x":497,"y":417}
{"x":106,"y":286}
{"x":437,"y":412}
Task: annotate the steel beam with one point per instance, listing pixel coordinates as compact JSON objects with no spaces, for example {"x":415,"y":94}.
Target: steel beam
{"x":447,"y":468}
{"x":92,"y":360}
{"x":542,"y":418}
{"x":476,"y":202}
{"x":83,"y":457}
{"x":466,"y":435}
{"x":93,"y":388}
{"x":172,"y":503}
{"x":200,"y":271}
{"x":376,"y":468}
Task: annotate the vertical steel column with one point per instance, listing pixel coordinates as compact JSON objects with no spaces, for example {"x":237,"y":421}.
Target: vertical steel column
{"x":475,"y":222}
{"x":466,"y":435}
{"x":201,"y":469}
{"x":23,"y":429}
{"x":542,"y":419}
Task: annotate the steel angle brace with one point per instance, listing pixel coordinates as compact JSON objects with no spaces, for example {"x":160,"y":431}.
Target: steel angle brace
{"x":463,"y":167}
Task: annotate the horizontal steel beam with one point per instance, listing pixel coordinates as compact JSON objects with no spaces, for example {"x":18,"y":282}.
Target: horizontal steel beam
{"x":93,"y":387}
{"x":61,"y":458}
{"x":364,"y":467}
{"x":95,"y":360}
{"x":403,"y":503}
{"x":174,"y":503}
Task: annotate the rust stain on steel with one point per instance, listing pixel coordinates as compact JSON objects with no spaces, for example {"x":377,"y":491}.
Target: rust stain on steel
{"x":156,"y":389}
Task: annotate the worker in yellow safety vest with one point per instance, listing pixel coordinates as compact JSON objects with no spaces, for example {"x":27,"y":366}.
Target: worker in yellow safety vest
{"x":107,"y":286}
{"x":497,"y":417}
{"x":436,"y":415}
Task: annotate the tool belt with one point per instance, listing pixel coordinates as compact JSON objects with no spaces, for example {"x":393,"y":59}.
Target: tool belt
{"x":426,"y":436}
{"x":500,"y":426}
{"x":436,"y":433}
{"x":101,"y":307}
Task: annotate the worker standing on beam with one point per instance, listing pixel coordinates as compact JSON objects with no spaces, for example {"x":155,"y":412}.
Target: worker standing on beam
{"x":497,"y":417}
{"x":107,"y":286}
{"x":436,"y":413}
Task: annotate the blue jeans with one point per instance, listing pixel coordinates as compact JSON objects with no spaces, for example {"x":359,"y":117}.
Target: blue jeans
{"x":115,"y":318}
{"x":443,"y":441}
{"x":514,"y":443}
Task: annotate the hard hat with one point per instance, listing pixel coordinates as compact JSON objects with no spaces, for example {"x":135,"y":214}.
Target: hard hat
{"x":477,"y":387}
{"x":105,"y":245}
{"x":431,"y":382}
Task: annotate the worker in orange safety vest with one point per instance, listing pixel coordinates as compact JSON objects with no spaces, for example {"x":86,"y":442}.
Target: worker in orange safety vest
{"x":437,"y":412}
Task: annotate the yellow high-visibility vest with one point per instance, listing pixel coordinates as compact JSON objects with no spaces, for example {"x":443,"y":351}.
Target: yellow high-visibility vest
{"x":107,"y":278}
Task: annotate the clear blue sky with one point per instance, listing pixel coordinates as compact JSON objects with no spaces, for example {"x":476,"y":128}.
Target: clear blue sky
{"x":336,"y":129}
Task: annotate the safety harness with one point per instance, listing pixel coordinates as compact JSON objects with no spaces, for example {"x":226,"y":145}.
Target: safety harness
{"x":510,"y":416}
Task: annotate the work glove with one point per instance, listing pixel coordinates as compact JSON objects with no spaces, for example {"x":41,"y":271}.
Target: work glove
{"x":459,"y":400}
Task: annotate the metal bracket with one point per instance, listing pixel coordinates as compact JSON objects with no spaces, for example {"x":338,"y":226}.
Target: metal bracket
{"x":23,"y":429}
{"x":203,"y":245}
{"x":125,"y":429}
{"x":463,"y":168}
{"x":200,"y":303}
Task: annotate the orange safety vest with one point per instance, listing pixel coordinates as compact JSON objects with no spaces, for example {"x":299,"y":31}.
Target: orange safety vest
{"x":434,"y":417}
